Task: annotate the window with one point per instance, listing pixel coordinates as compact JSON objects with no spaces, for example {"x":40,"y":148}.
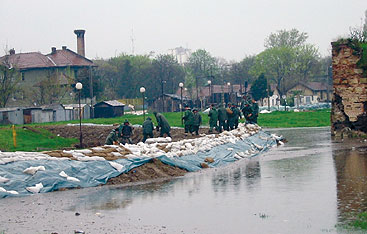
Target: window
{"x":23,"y":76}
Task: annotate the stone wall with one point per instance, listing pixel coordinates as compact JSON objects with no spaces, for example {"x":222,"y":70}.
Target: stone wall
{"x":349,"y":102}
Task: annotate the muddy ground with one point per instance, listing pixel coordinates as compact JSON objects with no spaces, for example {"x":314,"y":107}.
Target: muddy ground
{"x":96,"y":135}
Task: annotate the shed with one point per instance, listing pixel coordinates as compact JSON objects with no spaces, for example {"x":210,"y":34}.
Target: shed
{"x":72,"y":111}
{"x":108,"y":109}
{"x":58,"y":112}
{"x":32,"y":115}
{"x":11,"y":115}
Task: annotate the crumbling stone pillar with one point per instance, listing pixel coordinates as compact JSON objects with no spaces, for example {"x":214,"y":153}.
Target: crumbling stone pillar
{"x":349,"y":102}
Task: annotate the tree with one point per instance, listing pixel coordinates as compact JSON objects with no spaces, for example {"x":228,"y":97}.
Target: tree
{"x":53,"y":88}
{"x":9,"y":78}
{"x":287,"y":60}
{"x":201,"y":65}
{"x":259,"y":88}
{"x":283,"y":38}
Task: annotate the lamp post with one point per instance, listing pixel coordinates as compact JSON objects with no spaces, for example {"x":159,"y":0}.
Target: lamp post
{"x":142,"y":91}
{"x":229,"y":92}
{"x":181,"y":85}
{"x":210,"y":91}
{"x":79,"y":87}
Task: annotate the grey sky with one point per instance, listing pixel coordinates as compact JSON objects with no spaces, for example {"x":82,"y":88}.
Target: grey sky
{"x":230,"y":29}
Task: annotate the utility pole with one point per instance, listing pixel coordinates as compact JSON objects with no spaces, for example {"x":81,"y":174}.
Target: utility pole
{"x":91,"y":91}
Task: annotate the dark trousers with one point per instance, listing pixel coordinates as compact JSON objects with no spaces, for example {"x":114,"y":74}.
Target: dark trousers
{"x":146,"y":135}
{"x":195,"y":128}
{"x":188,"y":128}
{"x":222,"y":125}
{"x":161,"y":135}
{"x":126,"y":139}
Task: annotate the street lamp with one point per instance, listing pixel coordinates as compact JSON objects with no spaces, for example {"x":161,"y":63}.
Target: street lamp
{"x":229,"y":92}
{"x":181,"y":85}
{"x":142,"y":91}
{"x":79,"y":87}
{"x":210,"y":90}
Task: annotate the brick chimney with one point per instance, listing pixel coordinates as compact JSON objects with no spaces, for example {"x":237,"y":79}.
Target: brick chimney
{"x":53,"y":50}
{"x":11,"y":51}
{"x":80,"y":41}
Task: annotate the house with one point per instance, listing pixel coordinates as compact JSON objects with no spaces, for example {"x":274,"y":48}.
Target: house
{"x":108,"y":109}
{"x":12,"y":115}
{"x":172,"y":103}
{"x":314,"y":91}
{"x":48,"y":78}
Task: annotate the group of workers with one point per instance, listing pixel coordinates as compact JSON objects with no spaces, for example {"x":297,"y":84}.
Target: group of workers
{"x":228,"y":118}
{"x":219,"y":119}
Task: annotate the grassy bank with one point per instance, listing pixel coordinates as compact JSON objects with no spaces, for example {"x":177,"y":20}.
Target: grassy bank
{"x":32,"y":140}
{"x":38,"y":139}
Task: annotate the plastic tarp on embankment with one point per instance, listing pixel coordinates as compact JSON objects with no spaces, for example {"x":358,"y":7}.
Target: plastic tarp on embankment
{"x":14,"y":182}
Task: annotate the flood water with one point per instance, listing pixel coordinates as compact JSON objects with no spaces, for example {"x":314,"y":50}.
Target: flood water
{"x":310,"y":185}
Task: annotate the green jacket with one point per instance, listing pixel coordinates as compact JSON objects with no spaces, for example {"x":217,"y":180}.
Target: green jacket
{"x":236,"y":112}
{"x":213,"y":117}
{"x":188,"y":117}
{"x":111,"y":138}
{"x":222,"y":114}
{"x":246,"y":110}
{"x":148,"y":126}
{"x":197,"y":119}
{"x":162,"y":123}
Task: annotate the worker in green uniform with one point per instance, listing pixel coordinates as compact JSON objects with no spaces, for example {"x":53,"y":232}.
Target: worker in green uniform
{"x":213,"y":119}
{"x":254,"y":111}
{"x":246,"y":111}
{"x":148,"y":128}
{"x":125,"y":132}
{"x":112,"y":137}
{"x":188,"y":120}
{"x":162,"y":124}
{"x":236,"y":115}
{"x":222,"y":118}
{"x":197,"y":122}
{"x":230,"y":114}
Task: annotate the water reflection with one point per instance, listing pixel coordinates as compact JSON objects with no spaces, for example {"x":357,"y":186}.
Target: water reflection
{"x":351,"y":167}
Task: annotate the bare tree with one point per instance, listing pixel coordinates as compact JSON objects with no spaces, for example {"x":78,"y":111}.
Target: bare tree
{"x":9,"y":78}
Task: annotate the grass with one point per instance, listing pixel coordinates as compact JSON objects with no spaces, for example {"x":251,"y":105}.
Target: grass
{"x":360,"y":222}
{"x":41,"y":139}
{"x":280,"y":119}
{"x":29,"y":140}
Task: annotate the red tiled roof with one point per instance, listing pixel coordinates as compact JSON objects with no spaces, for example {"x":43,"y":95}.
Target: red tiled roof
{"x":66,"y":57}
{"x":60,"y":58}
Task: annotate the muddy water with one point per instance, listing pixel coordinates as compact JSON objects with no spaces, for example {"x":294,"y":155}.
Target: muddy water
{"x":310,"y":185}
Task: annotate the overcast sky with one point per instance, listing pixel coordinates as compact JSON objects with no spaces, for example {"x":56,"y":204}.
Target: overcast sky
{"x":230,"y":29}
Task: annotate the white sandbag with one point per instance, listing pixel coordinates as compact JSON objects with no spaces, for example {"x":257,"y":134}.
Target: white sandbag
{"x":84,"y":151}
{"x":97,"y":149}
{"x":12,"y":192}
{"x":116,"y":154}
{"x":35,"y":189}
{"x":2,"y":190}
{"x":69,"y":178}
{"x":33,"y":170}
{"x":3,"y":179}
{"x":117,"y":166}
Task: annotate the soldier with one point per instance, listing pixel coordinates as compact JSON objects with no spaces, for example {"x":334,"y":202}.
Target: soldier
{"x":188,"y":120}
{"x":246,"y":111}
{"x":125,"y":132}
{"x":197,"y":122}
{"x":230,"y":114}
{"x":112,"y":138}
{"x":222,"y":118}
{"x":254,"y":112}
{"x":213,"y":119}
{"x":162,"y":124}
{"x":148,"y":128}
{"x":236,"y":115}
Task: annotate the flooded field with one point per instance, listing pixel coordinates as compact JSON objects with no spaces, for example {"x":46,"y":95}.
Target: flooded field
{"x":310,"y":185}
